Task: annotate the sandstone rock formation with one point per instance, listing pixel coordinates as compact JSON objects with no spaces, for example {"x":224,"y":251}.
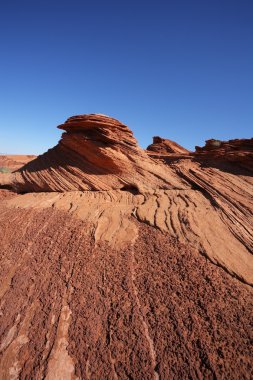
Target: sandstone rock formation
{"x":219,"y":148}
{"x":238,"y":151}
{"x":165,"y":146}
{"x":96,"y":152}
{"x":116,"y":265}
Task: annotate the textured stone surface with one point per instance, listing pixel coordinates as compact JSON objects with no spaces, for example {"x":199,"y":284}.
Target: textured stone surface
{"x":165,"y":146}
{"x":215,"y":226}
{"x":115,"y":265}
{"x":95,"y":153}
{"x":156,"y":309}
{"x":239,"y":151}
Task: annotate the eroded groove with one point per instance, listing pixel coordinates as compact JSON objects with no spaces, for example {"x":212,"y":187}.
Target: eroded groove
{"x":142,"y":317}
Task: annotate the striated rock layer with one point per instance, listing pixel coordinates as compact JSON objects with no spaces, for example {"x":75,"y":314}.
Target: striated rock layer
{"x":96,"y":152}
{"x":164,"y":146}
{"x":147,"y":276}
{"x":235,"y":155}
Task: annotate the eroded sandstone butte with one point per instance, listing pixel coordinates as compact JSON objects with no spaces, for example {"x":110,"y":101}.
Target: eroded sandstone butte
{"x":118,"y":265}
{"x":96,"y":152}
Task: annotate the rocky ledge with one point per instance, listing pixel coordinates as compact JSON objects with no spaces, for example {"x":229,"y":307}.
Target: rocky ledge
{"x":213,"y":153}
{"x":239,"y":151}
{"x":165,"y":146}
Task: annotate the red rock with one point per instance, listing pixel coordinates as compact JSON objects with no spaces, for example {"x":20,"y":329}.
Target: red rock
{"x":165,"y":146}
{"x":96,"y":152}
{"x":113,"y":284}
{"x":239,"y":151}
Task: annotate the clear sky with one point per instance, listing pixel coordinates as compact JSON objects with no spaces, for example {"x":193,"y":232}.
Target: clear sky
{"x":180,"y":69}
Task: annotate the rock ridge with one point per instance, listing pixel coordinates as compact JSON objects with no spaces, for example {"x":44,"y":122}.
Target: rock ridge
{"x":96,"y":152}
{"x":122,"y":263}
{"x":239,"y":151}
{"x":164,"y":146}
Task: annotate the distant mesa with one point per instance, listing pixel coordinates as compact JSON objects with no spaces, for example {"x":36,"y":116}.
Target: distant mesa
{"x":12,"y":162}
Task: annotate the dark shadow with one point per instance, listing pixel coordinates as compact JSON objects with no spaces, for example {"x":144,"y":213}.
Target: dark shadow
{"x":6,"y":187}
{"x":130,"y":189}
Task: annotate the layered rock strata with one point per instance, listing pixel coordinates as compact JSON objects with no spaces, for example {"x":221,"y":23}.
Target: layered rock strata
{"x":165,"y":146}
{"x":96,"y":152}
{"x":193,"y":198}
{"x":116,"y":265}
{"x":238,"y":152}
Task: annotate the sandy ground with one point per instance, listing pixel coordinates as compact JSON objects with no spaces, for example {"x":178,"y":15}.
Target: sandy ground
{"x":14,"y":161}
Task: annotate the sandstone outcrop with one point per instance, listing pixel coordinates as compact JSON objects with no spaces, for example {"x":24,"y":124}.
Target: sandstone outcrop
{"x":96,"y":152}
{"x":165,"y":146}
{"x":120,"y":263}
{"x":238,"y":151}
{"x":73,"y":308}
{"x":218,"y":148}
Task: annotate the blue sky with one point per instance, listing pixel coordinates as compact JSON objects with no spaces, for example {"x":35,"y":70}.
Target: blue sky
{"x":180,"y":69}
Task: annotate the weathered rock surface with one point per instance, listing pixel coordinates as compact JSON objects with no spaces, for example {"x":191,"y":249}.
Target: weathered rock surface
{"x":150,"y":279}
{"x":155,"y":309}
{"x":95,"y":153}
{"x":219,"y":147}
{"x":165,"y":146}
{"x":238,"y":151}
